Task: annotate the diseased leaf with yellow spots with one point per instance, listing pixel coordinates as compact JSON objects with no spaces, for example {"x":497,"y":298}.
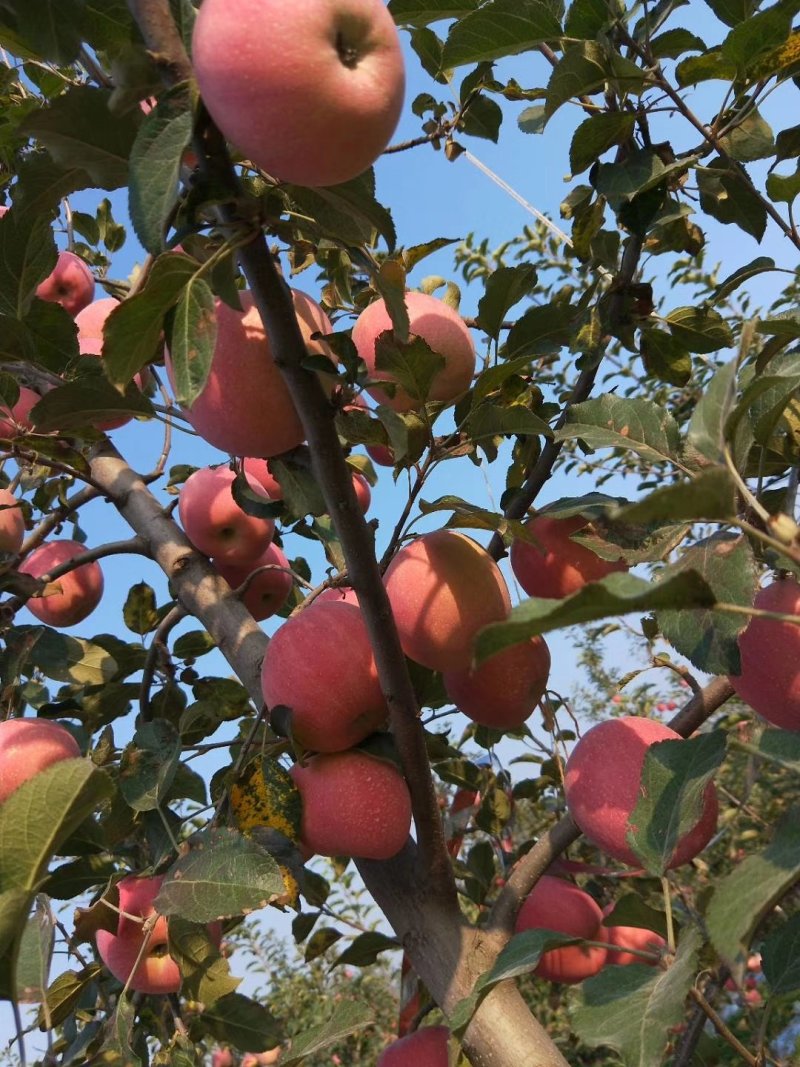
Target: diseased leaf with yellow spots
{"x":783,"y":60}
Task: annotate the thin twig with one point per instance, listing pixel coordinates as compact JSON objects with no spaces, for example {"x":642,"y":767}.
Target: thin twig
{"x":158,"y":646}
{"x":723,"y":1031}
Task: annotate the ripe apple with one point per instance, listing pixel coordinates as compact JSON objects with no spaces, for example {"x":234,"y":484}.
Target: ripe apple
{"x":70,"y":284}
{"x":554,"y":904}
{"x":353,"y":805}
{"x":363,"y":492}
{"x":310,"y":91}
{"x":222,"y":1057}
{"x":81,"y":589}
{"x":214,"y":522}
{"x":503,"y":690}
{"x":12,"y":523}
{"x":245,"y":408}
{"x":268,"y":591}
{"x":622,"y":937}
{"x":15,"y":421}
{"x":427,"y":1047}
{"x":770,"y":680}
{"x":335,"y":695}
{"x":92,"y":319}
{"x":338,"y":594}
{"x":380,"y":454}
{"x":93,"y":346}
{"x":560,"y":566}
{"x":261,"y":1059}
{"x":602,"y":786}
{"x":440,"y":327}
{"x":444,"y":588}
{"x":28,"y":746}
{"x":259,"y":469}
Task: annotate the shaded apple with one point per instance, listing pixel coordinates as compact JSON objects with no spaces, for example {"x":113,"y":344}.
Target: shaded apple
{"x":770,"y":652}
{"x":334,"y":693}
{"x":426,"y":1047}
{"x":28,"y":746}
{"x":503,"y":691}
{"x":353,"y":805}
{"x":602,"y":787}
{"x":557,"y":566}
{"x":362,"y":491}
{"x":92,"y":319}
{"x":12,"y":523}
{"x":627,"y":937}
{"x":269,"y":590}
{"x":260,"y":470}
{"x":245,"y":408}
{"x":444,"y":588}
{"x":555,"y":904}
{"x":70,"y":284}
{"x":15,"y":421}
{"x":445,"y":333}
{"x":157,"y":972}
{"x":252,"y":64}
{"x":81,"y":588}
{"x":214,"y":522}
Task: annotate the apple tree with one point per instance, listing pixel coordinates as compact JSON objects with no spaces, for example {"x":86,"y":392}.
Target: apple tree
{"x":607,"y":876}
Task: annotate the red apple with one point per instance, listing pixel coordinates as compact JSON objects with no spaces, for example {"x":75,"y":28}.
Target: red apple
{"x":268,"y":591}
{"x":259,"y":469}
{"x":335,"y":695}
{"x":81,"y":589}
{"x":245,"y":408}
{"x":602,"y":786}
{"x":440,"y":327}
{"x":380,"y":454}
{"x":12,"y":523}
{"x":28,"y":746}
{"x":222,"y":1057}
{"x":338,"y":594}
{"x":770,"y":650}
{"x":560,"y":566}
{"x":214,"y":522}
{"x":261,"y":1059}
{"x":92,"y":319}
{"x":444,"y":588}
{"x":622,"y":937}
{"x":253,"y":60}
{"x":353,"y":805}
{"x":93,"y":346}
{"x":504,"y":690}
{"x":70,"y":284}
{"x":554,"y":904}
{"x":363,"y":493}
{"x":14,"y":421}
{"x":427,"y":1047}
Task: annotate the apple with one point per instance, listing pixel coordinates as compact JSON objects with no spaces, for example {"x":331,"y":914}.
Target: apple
{"x":602,"y":786}
{"x":92,"y":319}
{"x":337,"y":594}
{"x":380,"y":454}
{"x":222,"y":1057}
{"x":214,"y":522}
{"x":269,"y":590}
{"x":260,"y":470}
{"x":12,"y":523}
{"x":14,"y":421}
{"x":93,"y":346}
{"x":261,"y":1059}
{"x":28,"y":746}
{"x":362,"y":491}
{"x":427,"y":1047}
{"x":335,"y":695}
{"x":555,"y":904}
{"x":769,"y":680}
{"x":622,"y":937}
{"x":440,"y":327}
{"x":81,"y":589}
{"x":310,"y":91}
{"x":353,"y":805}
{"x":560,"y":566}
{"x":245,"y":408}
{"x":443,"y":588}
{"x":503,"y":690}
{"x":70,"y":284}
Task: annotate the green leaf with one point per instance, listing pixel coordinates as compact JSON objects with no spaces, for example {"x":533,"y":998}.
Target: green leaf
{"x":587,"y":18}
{"x":205,"y":972}
{"x":781,"y":747}
{"x":640,"y":171}
{"x":780,"y":958}
{"x":192,"y":340}
{"x":783,"y":188}
{"x":35,"y":954}
{"x":301,"y":492}
{"x":673,"y":43}
{"x":708,"y":638}
{"x":632,"y":1009}
{"x":743,"y":274}
{"x":699,"y":329}
{"x":193,"y":644}
{"x":413,"y":366}
{"x":787,"y":144}
{"x":707,"y":425}
{"x":320,"y":941}
{"x":709,"y":66}
{"x":532,"y":119}
{"x":65,"y":992}
{"x":671,"y":796}
{"x":727,"y":196}
{"x":68,"y":659}
{"x":580,"y":71}
{"x":148,"y":765}
{"x":491,"y":419}
{"x":751,"y":890}
{"x":500,"y":28}
{"x":751,"y":138}
{"x":482,"y":118}
{"x":759,"y":33}
{"x":732,"y":12}
{"x":350,"y":1017}
{"x":638,"y":425}
{"x":49,"y":28}
{"x":366,"y":948}
{"x":665,"y":357}
{"x":133,"y":331}
{"x":596,"y":135}
{"x":616,"y":594}
{"x":239,"y":1021}
{"x":505,"y":287}
{"x":140,"y":612}
{"x":542,"y":330}
{"x":86,"y":402}
{"x":79,"y":130}
{"x":767,"y":395}
{"x":423,"y":12}
{"x":631,"y":910}
{"x":348,"y":211}
{"x":708,"y":496}
{"x":155,"y":166}
{"x":27,"y":255}
{"x":224,"y":874}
